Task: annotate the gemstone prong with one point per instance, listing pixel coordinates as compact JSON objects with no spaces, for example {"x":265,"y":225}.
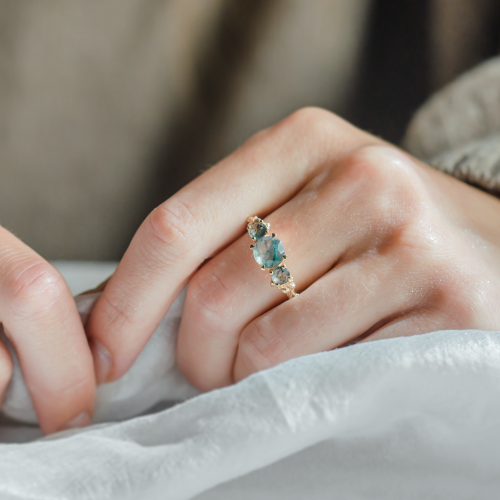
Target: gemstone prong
{"x":252,"y":246}
{"x":284,"y":256}
{"x":273,"y":235}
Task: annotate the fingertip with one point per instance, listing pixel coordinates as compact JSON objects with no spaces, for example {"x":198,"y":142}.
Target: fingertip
{"x":75,"y":416}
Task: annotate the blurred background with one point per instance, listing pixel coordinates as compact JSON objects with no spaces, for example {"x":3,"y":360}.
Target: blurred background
{"x":108,"y":107}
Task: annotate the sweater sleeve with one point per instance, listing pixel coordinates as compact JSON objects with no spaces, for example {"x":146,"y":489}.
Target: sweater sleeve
{"x":458,"y":130}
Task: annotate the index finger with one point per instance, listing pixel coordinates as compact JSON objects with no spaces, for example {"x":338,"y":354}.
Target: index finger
{"x":203,"y":218}
{"x":41,"y":320}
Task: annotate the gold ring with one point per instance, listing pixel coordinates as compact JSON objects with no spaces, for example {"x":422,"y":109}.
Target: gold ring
{"x":269,"y":253}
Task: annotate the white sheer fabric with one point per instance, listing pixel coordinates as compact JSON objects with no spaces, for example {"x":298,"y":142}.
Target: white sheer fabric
{"x":409,"y":418}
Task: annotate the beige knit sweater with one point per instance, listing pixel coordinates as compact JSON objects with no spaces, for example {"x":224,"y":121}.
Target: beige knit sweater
{"x":458,"y":129}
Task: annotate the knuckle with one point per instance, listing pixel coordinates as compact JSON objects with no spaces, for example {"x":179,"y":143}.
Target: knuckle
{"x":306,"y":123}
{"x":372,"y":165}
{"x":210,"y":294}
{"x":385,"y":184}
{"x":32,"y":290}
{"x":118,"y":311}
{"x":311,"y":121}
{"x":172,"y":229}
{"x":308,"y":116}
{"x":459,"y":291}
{"x":414,"y":238}
{"x":376,"y":164}
{"x":453,"y":299}
{"x":261,"y":345}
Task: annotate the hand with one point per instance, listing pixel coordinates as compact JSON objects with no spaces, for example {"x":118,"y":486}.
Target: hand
{"x":40,"y":318}
{"x":379,"y":244}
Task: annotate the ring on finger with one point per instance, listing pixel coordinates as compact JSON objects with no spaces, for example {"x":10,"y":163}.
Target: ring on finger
{"x":269,"y":253}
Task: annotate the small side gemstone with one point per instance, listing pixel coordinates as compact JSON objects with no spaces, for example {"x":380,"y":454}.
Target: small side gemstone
{"x":257,"y":230}
{"x":280,"y":275}
{"x":268,"y":251}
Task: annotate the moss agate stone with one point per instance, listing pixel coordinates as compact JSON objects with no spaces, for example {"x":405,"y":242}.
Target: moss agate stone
{"x":280,"y":275}
{"x":257,"y":230}
{"x":268,"y":251}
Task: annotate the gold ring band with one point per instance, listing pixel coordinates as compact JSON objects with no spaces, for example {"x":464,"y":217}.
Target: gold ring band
{"x":269,"y":253}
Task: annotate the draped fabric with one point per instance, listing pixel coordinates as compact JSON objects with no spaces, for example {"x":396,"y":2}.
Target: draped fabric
{"x":412,"y":417}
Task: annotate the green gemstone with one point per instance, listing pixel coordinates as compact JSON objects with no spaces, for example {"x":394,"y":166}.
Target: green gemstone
{"x":280,"y":275}
{"x":268,"y":251}
{"x":257,"y":230}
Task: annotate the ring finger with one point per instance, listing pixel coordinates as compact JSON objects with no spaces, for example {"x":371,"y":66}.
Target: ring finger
{"x":359,"y":298}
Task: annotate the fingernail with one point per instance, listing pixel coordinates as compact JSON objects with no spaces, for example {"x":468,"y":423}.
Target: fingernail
{"x":102,"y":361}
{"x":81,"y":420}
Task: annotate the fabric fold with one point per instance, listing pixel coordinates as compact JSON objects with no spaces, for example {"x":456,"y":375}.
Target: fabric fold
{"x":371,"y":420}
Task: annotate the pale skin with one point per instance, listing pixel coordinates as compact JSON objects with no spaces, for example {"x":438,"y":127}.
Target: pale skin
{"x":379,"y":244}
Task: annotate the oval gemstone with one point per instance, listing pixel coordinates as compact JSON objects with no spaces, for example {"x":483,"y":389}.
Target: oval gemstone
{"x":268,"y":251}
{"x":280,"y":275}
{"x":257,"y":230}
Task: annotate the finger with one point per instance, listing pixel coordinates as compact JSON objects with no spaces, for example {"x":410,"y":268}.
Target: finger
{"x":359,"y":297}
{"x":203,"y":218}
{"x":41,"y":320}
{"x":316,"y":227}
{"x":443,"y":314}
{"x":6,"y":368}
